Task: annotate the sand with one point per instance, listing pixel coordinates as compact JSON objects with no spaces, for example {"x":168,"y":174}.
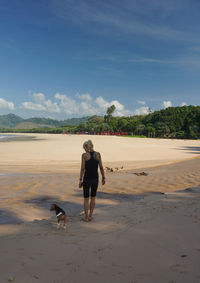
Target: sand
{"x":61,"y":153}
{"x":145,"y":228}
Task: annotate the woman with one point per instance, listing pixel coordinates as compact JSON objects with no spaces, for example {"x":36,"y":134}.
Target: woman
{"x":89,"y":177}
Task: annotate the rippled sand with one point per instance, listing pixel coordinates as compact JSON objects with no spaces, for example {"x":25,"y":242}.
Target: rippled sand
{"x":146,"y":228}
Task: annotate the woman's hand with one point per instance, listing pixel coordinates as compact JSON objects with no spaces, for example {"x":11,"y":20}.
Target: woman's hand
{"x":80,"y":183}
{"x":103,"y":180}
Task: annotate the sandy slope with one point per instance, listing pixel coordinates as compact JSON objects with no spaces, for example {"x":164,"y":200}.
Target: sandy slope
{"x":62,"y":152}
{"x":150,"y":239}
{"x":143,"y":230}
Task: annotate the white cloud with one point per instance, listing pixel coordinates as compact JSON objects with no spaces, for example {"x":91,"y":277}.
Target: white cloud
{"x":67,"y":104}
{"x":6,"y":105}
{"x":141,"y":102}
{"x":183,"y":104}
{"x":88,"y":105}
{"x":166,"y":104}
{"x":187,"y":61}
{"x":87,"y":109}
{"x":79,"y":105}
{"x":144,"y":110}
{"x":103,"y":105}
{"x":152,"y":60}
{"x":131,"y":17}
{"x":84,"y":96}
{"x":118,"y":105}
{"x":38,"y":97}
{"x":41,"y":104}
{"x":32,"y":106}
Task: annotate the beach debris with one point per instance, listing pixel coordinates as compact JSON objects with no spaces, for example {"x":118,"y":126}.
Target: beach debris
{"x":157,"y":193}
{"x":11,"y":279}
{"x":183,"y":255}
{"x":140,"y":173}
{"x":110,"y":169}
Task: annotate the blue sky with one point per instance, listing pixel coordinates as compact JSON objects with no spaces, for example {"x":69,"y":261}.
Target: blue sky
{"x":74,"y":58}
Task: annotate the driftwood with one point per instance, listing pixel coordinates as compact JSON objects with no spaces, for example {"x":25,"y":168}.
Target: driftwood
{"x":141,"y":174}
{"x":110,"y":169}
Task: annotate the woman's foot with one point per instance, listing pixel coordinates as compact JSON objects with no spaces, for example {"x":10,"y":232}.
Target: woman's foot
{"x":90,"y":218}
{"x":86,"y":219}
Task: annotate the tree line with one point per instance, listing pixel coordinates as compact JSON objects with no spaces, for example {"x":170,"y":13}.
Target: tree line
{"x":173,"y":122}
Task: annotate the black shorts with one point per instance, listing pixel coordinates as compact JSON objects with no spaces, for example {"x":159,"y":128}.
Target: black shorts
{"x":90,"y":184}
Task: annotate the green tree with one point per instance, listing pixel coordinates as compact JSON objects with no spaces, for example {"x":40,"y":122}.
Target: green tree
{"x":96,"y":119}
{"x":109,"y":112}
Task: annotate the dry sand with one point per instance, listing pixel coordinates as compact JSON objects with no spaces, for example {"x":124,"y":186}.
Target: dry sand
{"x":145,"y":229}
{"x":61,"y":153}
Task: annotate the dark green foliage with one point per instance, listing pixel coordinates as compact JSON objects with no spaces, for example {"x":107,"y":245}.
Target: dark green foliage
{"x":109,"y":112}
{"x":173,"y":122}
{"x":95,"y":119}
{"x":73,"y":121}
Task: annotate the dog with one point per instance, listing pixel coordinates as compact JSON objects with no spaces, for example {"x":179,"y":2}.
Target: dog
{"x":60,"y":214}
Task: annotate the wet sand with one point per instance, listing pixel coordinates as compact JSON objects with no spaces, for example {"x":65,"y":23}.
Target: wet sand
{"x":146,"y":228}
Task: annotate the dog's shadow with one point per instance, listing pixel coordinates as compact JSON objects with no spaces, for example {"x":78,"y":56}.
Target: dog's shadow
{"x":74,"y":209}
{"x":45,"y":202}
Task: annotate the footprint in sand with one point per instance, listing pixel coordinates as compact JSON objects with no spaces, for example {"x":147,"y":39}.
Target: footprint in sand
{"x":178,"y":268}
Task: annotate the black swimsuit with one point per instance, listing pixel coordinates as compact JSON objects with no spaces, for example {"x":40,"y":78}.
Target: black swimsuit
{"x":91,"y":176}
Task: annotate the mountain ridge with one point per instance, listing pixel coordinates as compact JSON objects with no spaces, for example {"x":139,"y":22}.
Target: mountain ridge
{"x":13,"y":121}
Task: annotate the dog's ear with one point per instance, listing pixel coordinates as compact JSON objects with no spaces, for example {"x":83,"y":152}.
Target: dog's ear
{"x":52,"y":206}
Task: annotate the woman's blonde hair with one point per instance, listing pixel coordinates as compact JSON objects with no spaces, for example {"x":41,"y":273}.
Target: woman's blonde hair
{"x":88,"y":146}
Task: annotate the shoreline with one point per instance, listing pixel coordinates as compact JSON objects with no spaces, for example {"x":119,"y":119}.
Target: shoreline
{"x":16,"y":137}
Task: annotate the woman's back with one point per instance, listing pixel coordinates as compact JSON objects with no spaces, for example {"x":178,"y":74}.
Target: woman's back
{"x":91,"y":166}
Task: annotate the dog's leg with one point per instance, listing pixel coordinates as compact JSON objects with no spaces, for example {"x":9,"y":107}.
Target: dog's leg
{"x":65,"y":221}
{"x":58,"y":224}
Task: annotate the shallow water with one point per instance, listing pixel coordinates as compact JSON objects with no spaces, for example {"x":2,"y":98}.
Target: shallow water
{"x":4,"y":136}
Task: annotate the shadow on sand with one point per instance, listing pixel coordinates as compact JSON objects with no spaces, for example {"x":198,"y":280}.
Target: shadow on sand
{"x":190,"y":149}
{"x":7,"y":217}
{"x":73,"y":208}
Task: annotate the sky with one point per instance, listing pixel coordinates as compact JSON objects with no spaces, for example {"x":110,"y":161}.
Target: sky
{"x":74,"y":58}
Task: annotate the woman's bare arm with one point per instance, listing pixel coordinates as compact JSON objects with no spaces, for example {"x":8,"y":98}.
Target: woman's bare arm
{"x":101,"y":169}
{"x":82,"y":169}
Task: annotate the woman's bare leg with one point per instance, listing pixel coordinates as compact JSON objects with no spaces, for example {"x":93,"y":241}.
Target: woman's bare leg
{"x":92,"y":205}
{"x":86,"y":206}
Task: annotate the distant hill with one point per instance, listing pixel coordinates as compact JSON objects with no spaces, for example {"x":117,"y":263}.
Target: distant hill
{"x":10,"y":120}
{"x":13,"y":121}
{"x":44,"y":121}
{"x":74,"y":121}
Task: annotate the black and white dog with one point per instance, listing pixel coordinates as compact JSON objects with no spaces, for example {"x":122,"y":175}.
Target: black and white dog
{"x":60,"y":214}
